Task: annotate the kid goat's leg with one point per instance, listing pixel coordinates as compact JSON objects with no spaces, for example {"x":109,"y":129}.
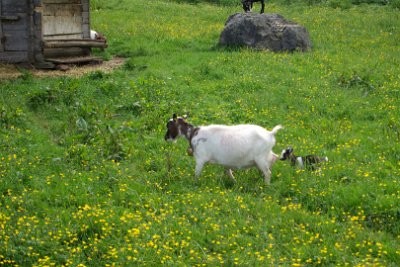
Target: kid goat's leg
{"x":230,"y":174}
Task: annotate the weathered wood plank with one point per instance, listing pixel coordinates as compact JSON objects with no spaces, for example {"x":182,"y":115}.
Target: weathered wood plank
{"x":75,"y":43}
{"x":66,"y":52}
{"x":1,"y":32}
{"x":86,"y":31}
{"x":37,"y":46}
{"x":62,"y":10}
{"x":12,"y":6}
{"x":63,"y":36}
{"x":13,"y":28}
{"x":72,"y":60}
{"x":44,"y":65}
{"x":30,"y":29}
{"x":14,"y":3}
{"x":14,"y":57}
{"x":85,"y":17}
{"x":37,"y":2}
{"x":75,"y":60}
{"x":15,"y":25}
{"x":61,"y":25}
{"x":45,"y":2}
{"x":85,"y":5}
{"x":10,"y":18}
{"x":14,"y":33}
{"x":16,"y":41}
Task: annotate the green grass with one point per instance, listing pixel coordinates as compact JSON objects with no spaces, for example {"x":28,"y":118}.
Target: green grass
{"x":86,"y":178}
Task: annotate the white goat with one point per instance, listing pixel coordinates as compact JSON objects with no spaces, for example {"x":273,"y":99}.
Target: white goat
{"x":234,"y":147}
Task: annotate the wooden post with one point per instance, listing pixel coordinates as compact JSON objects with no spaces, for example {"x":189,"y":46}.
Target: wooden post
{"x":37,"y":38}
{"x":30,"y":32}
{"x":86,"y":19}
{"x":1,"y":32}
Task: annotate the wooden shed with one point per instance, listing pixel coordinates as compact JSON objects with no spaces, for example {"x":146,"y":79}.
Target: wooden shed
{"x":46,"y":32}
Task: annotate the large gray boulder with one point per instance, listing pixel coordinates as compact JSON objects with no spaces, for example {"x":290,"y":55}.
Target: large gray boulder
{"x":265,"y":31}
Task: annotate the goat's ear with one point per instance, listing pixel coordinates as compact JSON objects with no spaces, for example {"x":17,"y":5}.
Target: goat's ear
{"x":174,"y":117}
{"x":290,"y":149}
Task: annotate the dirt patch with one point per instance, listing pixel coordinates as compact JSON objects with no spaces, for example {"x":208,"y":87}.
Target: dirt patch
{"x":8,"y":71}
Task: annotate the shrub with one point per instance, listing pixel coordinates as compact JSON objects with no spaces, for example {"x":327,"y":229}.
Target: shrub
{"x":394,"y":3}
{"x":342,"y":4}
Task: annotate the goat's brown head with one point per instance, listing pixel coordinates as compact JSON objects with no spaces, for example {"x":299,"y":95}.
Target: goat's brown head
{"x":175,"y":127}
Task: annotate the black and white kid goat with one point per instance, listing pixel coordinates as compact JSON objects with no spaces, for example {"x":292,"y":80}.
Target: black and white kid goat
{"x":309,"y":161}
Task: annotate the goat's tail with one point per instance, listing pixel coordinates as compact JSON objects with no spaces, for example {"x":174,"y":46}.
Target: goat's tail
{"x":276,"y":129}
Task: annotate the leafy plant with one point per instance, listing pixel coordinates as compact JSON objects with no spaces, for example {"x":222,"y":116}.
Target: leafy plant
{"x":10,"y":116}
{"x":42,"y":98}
{"x":357,"y":81}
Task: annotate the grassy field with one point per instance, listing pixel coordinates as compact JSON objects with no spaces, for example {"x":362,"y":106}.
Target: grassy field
{"x":86,"y":178}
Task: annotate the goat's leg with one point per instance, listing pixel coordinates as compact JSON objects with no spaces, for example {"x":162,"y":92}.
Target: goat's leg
{"x":230,"y":174}
{"x":267,"y":176}
{"x":199,"y":167}
{"x":262,"y":6}
{"x":264,"y":167}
